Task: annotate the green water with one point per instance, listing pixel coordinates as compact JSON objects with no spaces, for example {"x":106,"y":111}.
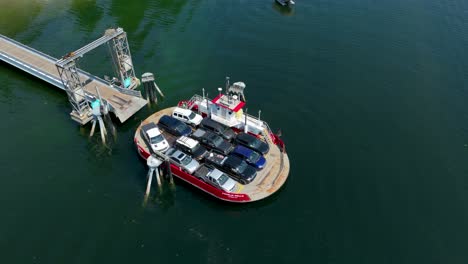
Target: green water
{"x":370,"y":96}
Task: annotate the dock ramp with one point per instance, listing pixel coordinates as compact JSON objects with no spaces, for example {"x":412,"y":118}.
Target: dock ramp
{"x":123,"y":102}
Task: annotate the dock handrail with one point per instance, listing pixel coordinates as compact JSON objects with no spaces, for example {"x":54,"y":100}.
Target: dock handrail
{"x":31,"y":70}
{"x":122,"y":90}
{"x":27,"y":47}
{"x":96,"y":78}
{"x":127,"y":91}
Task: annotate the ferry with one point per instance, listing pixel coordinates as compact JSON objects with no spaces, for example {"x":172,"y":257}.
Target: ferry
{"x":218,"y":170}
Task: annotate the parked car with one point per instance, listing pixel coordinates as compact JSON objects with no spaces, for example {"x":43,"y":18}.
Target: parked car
{"x":215,"y":159}
{"x":233,"y":165}
{"x":191,"y":147}
{"x":216,"y":178}
{"x":154,"y":137}
{"x":212,"y":141}
{"x":174,"y":126}
{"x":250,"y":156}
{"x":187,"y":116}
{"x":183,"y":160}
{"x":220,"y":129}
{"x":252,"y":142}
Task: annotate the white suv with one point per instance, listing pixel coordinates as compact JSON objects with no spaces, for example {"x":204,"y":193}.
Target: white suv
{"x":187,"y":116}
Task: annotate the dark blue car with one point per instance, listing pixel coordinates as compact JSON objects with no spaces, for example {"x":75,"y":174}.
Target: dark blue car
{"x":251,"y":157}
{"x":174,"y":126}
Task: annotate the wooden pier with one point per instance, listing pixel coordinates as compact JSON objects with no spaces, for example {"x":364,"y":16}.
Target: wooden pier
{"x":123,"y":102}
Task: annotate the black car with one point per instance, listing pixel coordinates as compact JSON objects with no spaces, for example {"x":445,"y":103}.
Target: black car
{"x":220,"y":129}
{"x":212,"y":141}
{"x":252,"y":142}
{"x":239,"y":169}
{"x":174,"y":126}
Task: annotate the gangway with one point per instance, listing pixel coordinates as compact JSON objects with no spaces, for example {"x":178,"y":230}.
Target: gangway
{"x":81,"y":87}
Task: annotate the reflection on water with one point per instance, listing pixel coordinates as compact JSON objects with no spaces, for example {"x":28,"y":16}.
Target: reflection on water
{"x":15,"y":16}
{"x":165,"y":199}
{"x":160,"y":197}
{"x":132,"y":14}
{"x":141,"y":18}
{"x":88,"y":13}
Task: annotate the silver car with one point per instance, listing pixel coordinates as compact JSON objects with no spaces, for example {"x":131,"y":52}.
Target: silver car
{"x":221,"y":180}
{"x":183,"y":160}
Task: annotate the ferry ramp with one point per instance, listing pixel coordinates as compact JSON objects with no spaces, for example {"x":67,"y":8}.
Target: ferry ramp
{"x":123,"y":102}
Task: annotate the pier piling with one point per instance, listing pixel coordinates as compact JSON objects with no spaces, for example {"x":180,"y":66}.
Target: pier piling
{"x":151,"y":88}
{"x":153,"y":164}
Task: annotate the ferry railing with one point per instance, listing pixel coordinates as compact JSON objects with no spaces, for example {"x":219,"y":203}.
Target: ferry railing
{"x":271,"y":135}
{"x":257,"y":121}
{"x":270,"y":138}
{"x":191,"y":101}
{"x":252,"y":118}
{"x":263,"y":123}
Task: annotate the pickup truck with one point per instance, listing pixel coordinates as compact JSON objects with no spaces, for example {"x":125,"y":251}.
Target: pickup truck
{"x":216,"y":178}
{"x":233,"y":165}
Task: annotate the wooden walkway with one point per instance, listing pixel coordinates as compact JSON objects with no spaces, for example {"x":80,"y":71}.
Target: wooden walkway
{"x":123,"y":103}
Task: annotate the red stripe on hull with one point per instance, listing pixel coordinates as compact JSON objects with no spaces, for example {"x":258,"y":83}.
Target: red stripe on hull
{"x":220,"y":194}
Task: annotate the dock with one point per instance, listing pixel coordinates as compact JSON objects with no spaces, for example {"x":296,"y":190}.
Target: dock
{"x":123,"y":102}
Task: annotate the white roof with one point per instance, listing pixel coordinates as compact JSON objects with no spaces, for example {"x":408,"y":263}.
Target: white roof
{"x":189,"y":142}
{"x":153,"y":132}
{"x":215,"y":173}
{"x":183,"y":111}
